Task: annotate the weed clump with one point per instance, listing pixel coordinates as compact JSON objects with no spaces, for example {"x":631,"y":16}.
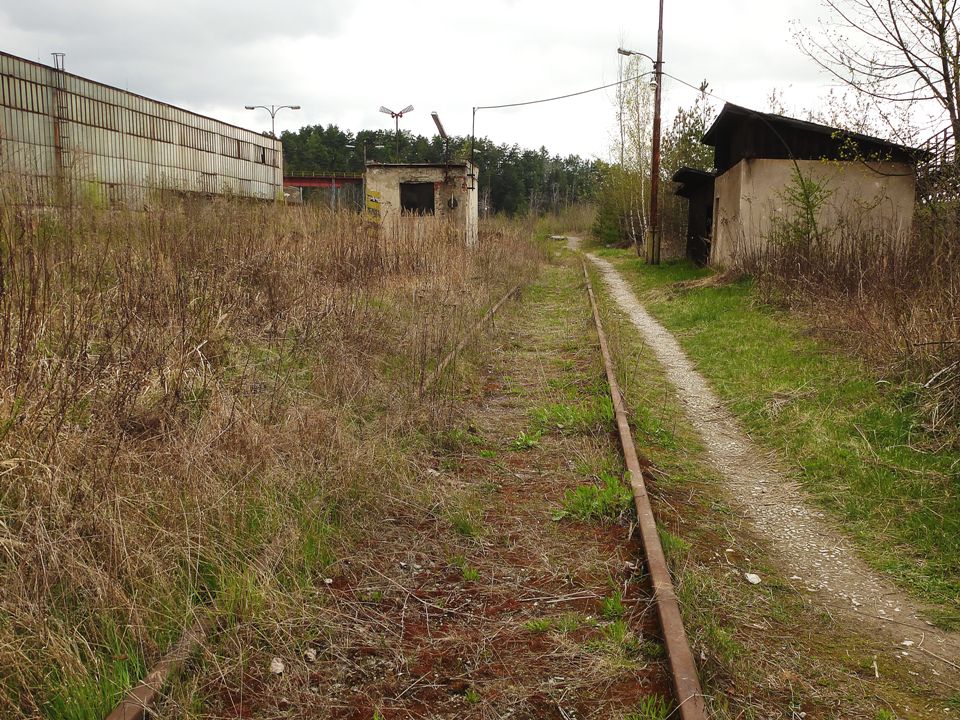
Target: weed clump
{"x":606,"y":501}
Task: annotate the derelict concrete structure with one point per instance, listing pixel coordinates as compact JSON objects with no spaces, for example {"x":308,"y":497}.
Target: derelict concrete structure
{"x":396,"y":193}
{"x":60,"y":131}
{"x":867,"y":185}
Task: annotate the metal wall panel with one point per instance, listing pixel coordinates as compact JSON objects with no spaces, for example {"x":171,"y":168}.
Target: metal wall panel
{"x":57,"y":125}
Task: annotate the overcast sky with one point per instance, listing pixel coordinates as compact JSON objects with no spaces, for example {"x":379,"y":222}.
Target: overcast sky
{"x":342,"y":60}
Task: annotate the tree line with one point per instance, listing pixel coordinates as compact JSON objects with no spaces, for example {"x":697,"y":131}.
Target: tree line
{"x":512,"y":180}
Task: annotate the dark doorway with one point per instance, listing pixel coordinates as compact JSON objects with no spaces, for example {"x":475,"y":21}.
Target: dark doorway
{"x":697,"y":187}
{"x":417,"y":198}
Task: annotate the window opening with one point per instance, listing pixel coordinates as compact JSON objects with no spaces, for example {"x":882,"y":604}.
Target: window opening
{"x":417,"y":198}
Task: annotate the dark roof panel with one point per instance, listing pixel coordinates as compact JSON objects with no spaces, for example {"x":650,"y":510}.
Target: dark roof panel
{"x":689,"y":180}
{"x":739,"y":133}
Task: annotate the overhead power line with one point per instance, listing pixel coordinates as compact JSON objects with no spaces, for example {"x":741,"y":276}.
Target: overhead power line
{"x":562,"y":97}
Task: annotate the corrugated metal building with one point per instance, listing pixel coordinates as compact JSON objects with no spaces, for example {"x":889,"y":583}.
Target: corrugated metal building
{"x":59,"y":131}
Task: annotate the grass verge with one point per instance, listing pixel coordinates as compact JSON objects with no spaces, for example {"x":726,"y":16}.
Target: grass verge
{"x":764,"y":650}
{"x":856,"y":440}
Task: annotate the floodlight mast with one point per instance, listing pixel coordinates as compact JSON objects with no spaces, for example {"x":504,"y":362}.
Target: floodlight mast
{"x":396,"y":116}
{"x":443,"y":134}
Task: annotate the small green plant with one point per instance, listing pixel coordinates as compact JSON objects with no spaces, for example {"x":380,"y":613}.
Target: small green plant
{"x":560,"y":417}
{"x":467,"y":571}
{"x":654,"y":707}
{"x":617,"y":642}
{"x":538,"y":625}
{"x":652,"y":650}
{"x":805,"y":197}
{"x":885,"y":715}
{"x":674,"y":547}
{"x":459,"y":438}
{"x":612,"y":607}
{"x":470,"y":574}
{"x":471,"y":696}
{"x":464,"y":524}
{"x":606,"y":501}
{"x":568,"y":622}
{"x":525,"y":441}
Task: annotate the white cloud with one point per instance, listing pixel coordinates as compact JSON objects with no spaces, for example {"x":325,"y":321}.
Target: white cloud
{"x":342,"y":60}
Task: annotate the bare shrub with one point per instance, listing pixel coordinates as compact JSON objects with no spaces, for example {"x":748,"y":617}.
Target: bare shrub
{"x":187,"y":386}
{"x":893,"y":301}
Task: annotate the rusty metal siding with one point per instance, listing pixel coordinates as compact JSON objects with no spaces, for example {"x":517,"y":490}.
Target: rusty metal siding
{"x":57,"y":125}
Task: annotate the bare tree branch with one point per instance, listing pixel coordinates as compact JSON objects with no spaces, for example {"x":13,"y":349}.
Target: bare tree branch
{"x":893,"y":51}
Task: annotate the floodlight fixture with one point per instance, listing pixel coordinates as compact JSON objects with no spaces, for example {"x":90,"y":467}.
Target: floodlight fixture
{"x":396,"y":116}
{"x":436,"y":121}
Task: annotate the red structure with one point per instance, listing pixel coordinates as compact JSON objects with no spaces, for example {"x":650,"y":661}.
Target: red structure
{"x":322,"y":180}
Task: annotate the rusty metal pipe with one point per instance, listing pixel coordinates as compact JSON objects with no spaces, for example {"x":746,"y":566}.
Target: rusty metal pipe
{"x":686,"y":682}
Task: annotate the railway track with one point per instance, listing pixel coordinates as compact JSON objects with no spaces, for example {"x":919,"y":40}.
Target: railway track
{"x":682,"y":670}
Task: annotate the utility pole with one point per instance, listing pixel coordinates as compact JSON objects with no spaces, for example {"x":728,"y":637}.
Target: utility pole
{"x":653,"y":231}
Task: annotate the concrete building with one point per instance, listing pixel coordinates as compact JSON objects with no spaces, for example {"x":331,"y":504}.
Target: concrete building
{"x":60,"y":132}
{"x":866,"y":185}
{"x":398,"y":193}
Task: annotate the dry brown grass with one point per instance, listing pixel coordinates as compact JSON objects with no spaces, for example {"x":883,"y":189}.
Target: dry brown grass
{"x":893,"y":303}
{"x":187,"y":386}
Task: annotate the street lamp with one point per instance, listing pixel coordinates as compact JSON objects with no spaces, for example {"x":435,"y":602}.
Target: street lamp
{"x":363,"y":146}
{"x":631,"y":53}
{"x":653,"y":230}
{"x":396,"y":116}
{"x":273,"y":110}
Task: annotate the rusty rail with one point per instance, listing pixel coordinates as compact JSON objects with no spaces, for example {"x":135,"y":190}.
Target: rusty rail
{"x":144,"y":694}
{"x":686,"y":682}
{"x":435,"y":374}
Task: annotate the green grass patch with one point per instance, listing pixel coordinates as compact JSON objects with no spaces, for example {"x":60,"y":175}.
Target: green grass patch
{"x":108,"y":672}
{"x":605,"y":501}
{"x":612,"y":608}
{"x":582,"y":417}
{"x":655,"y":707}
{"x":856,"y":440}
{"x":565,"y":623}
{"x":525,"y":441}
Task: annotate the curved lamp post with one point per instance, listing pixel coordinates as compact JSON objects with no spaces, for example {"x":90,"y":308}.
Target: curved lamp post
{"x":273,"y":110}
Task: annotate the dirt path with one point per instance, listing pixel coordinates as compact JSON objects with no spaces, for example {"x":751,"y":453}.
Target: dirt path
{"x":477,"y":600}
{"x":818,"y":559}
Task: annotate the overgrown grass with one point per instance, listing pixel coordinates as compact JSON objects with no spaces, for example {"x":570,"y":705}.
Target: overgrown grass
{"x":857,"y":440}
{"x":204,"y":403}
{"x":739,"y":631}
